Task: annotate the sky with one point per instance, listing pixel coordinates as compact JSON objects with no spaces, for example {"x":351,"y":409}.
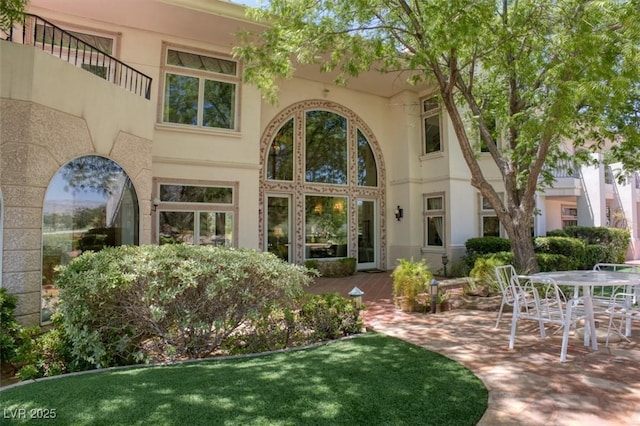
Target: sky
{"x":252,"y":3}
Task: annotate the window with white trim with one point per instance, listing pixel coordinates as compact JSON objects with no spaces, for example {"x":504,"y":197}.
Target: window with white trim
{"x":200,"y":90}
{"x":195,"y":213}
{"x":431,"y":125}
{"x":434,"y":220}
{"x":489,"y":223}
{"x":569,"y":215}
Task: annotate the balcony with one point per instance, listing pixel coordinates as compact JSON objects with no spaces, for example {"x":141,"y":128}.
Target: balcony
{"x":44,"y":35}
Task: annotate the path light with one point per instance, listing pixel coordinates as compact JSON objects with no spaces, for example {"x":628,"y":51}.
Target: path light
{"x":445,"y":260}
{"x":433,"y":291}
{"x":356,"y":296}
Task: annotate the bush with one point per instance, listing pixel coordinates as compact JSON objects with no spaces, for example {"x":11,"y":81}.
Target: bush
{"x":486,"y":245}
{"x":46,"y":354}
{"x":127,"y":304}
{"x":9,"y":327}
{"x":342,"y":267}
{"x":556,"y":262}
{"x":484,"y":271}
{"x":410,"y":279}
{"x":330,"y":316}
{"x":566,"y":246}
{"x":616,"y":240}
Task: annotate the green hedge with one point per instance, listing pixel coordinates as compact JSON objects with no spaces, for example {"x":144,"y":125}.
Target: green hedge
{"x":123,"y":304}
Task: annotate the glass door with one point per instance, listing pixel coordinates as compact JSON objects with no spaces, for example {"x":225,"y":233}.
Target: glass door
{"x":368,"y":237}
{"x":278,"y":235}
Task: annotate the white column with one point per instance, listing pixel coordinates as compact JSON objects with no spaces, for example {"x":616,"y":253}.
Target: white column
{"x":592,"y":202}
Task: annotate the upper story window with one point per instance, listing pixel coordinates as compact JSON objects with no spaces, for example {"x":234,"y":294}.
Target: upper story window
{"x":200,"y":90}
{"x":431,"y":125}
{"x":569,"y":215}
{"x":280,"y":159}
{"x":326,"y":147}
{"x":367,"y":168}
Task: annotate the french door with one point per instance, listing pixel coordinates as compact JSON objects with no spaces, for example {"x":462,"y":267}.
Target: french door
{"x":278,"y":235}
{"x":368,"y":234}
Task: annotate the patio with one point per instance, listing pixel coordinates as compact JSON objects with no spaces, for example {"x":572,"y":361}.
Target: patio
{"x":527,"y":385}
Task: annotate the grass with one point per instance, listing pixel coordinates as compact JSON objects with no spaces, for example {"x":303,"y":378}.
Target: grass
{"x":371,"y":379}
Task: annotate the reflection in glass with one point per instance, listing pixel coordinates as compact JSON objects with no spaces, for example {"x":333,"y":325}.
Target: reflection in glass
{"x":89,"y":204}
{"x":366,"y":231}
{"x":215,"y":228}
{"x":280,"y":157}
{"x":325,"y":226}
{"x":490,"y":226}
{"x":176,"y":227}
{"x":432,"y":133}
{"x":367,"y":172}
{"x":181,"y":99}
{"x":196,"y":194}
{"x":219,"y":104}
{"x":278,"y":226}
{"x":434,"y":231}
{"x":326,"y":147}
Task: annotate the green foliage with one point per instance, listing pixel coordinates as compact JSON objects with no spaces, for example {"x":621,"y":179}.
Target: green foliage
{"x":330,"y":316}
{"x":484,"y":272}
{"x":10,"y":12}
{"x":549,"y":262}
{"x":9,"y":327}
{"x":410,"y":278}
{"x":333,"y":268}
{"x":616,"y":240}
{"x":124,"y":304}
{"x":566,"y":246}
{"x":44,"y":354}
{"x":484,"y":245}
{"x":522,"y":77}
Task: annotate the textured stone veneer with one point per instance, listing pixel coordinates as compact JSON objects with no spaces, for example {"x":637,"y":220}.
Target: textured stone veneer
{"x":35,"y":141}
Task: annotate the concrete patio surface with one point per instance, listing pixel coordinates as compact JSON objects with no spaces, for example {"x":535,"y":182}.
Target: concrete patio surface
{"x":527,"y":385}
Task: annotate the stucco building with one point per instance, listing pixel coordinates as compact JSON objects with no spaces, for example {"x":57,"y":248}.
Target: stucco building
{"x":127,"y":122}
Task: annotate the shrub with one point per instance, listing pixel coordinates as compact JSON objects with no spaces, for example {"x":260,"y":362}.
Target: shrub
{"x":9,"y":327}
{"x":616,"y":240}
{"x":485,"y":245}
{"x":330,"y":316}
{"x":410,"y":279}
{"x":556,"y":262}
{"x":566,"y":246}
{"x":484,"y":271}
{"x":125,"y":304}
{"x":342,"y":267}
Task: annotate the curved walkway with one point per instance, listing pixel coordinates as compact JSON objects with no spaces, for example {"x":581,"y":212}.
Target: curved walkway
{"x":527,"y":385}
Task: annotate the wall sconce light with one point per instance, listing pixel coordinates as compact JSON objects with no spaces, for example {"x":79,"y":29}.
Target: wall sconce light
{"x":155,"y":203}
{"x":398,"y":213}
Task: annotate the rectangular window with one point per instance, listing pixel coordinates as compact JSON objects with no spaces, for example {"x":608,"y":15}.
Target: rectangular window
{"x":200,"y":90}
{"x":195,"y":213}
{"x":434,"y":220}
{"x":569,"y":216}
{"x":431,"y":126}
{"x":489,"y":223}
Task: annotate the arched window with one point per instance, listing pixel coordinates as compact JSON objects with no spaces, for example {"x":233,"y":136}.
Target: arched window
{"x":90,"y":204}
{"x":322,"y":195}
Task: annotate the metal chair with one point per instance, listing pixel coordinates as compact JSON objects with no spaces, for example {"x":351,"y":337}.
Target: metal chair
{"x":625,"y":309}
{"x":505,"y":274}
{"x":540,"y":299}
{"x":603,"y":296}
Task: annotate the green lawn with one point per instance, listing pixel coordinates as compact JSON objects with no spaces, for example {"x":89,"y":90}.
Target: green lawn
{"x":367,"y":380}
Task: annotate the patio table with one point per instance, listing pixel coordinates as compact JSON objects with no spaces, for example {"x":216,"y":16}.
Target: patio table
{"x":585,"y":280}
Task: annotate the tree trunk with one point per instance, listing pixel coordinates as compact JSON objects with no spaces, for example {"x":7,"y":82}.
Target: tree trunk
{"x":519,"y":234}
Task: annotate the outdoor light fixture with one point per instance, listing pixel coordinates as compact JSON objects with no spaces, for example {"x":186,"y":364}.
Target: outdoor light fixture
{"x":356,"y":295}
{"x":156,"y":203}
{"x":433,"y":291}
{"x":445,"y":260}
{"x":398,"y":213}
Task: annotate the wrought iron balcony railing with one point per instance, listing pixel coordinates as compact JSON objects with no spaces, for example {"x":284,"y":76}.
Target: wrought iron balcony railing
{"x":42,"y":34}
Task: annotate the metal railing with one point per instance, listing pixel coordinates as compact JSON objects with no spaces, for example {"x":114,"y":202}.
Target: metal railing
{"x":42,"y":34}
{"x":565,"y":169}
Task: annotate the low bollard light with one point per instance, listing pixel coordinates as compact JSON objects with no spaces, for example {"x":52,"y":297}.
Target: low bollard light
{"x":433,"y":291}
{"x":356,"y":296}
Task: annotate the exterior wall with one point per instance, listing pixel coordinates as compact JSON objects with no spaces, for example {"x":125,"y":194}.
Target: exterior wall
{"x":49,"y":116}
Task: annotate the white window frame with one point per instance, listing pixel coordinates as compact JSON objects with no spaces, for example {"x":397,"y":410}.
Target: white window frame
{"x":427,"y":214}
{"x":569,"y":213}
{"x":194,"y":207}
{"x":484,"y":212}
{"x":202,"y":76}
{"x":426,"y":112}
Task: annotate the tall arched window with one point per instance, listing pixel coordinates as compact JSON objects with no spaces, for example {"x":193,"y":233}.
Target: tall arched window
{"x":90,"y":204}
{"x":322,"y":186}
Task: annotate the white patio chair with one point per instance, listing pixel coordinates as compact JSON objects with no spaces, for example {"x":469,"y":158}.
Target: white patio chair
{"x":623,"y":310}
{"x":504,"y":275}
{"x":603,"y":296}
{"x":540,"y":299}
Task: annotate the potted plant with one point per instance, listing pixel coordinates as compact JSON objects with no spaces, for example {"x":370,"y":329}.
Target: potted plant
{"x":410,"y":278}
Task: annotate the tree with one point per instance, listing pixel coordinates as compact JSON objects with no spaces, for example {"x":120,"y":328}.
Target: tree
{"x":10,"y":11}
{"x":542,"y":81}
